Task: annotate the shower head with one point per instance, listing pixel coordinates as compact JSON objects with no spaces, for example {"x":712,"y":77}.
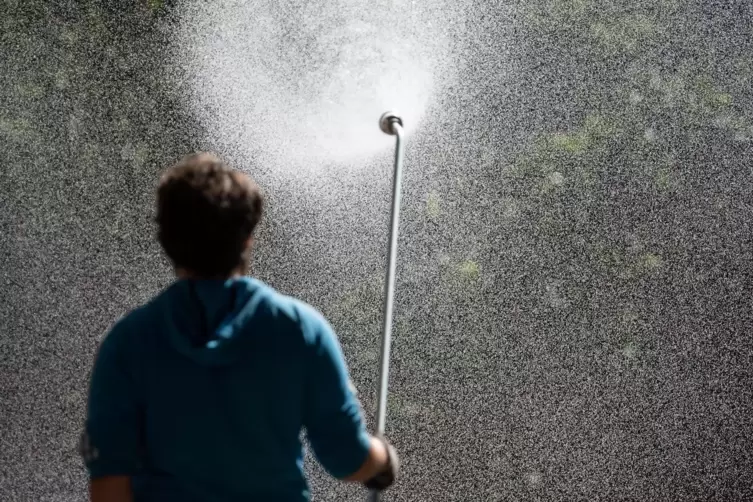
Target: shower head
{"x":388,"y":120}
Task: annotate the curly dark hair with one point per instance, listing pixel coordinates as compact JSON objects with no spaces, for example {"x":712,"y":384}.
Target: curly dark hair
{"x":206,"y":212}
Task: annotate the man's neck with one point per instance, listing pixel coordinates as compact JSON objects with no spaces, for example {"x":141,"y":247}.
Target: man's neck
{"x":182,"y":273}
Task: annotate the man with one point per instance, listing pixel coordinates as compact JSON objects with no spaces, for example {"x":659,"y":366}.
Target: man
{"x":202,"y":393}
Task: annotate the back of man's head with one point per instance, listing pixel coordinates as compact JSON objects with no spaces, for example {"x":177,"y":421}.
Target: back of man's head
{"x":207,"y":213}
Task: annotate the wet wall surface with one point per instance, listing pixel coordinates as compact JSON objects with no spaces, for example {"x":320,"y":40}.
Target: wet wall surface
{"x":573,"y":315}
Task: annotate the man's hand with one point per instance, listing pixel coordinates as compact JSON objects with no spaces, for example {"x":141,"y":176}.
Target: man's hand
{"x":111,"y":489}
{"x":385,"y":477}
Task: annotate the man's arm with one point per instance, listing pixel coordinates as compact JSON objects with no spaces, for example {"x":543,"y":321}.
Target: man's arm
{"x":333,"y":418}
{"x":112,"y":435}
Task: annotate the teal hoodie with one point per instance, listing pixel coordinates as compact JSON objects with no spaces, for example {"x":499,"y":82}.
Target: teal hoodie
{"x":202,"y":394}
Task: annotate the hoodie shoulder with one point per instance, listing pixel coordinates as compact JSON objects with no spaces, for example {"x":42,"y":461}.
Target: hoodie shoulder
{"x":126,"y":335}
{"x":310,"y":323}
{"x":137,"y":321}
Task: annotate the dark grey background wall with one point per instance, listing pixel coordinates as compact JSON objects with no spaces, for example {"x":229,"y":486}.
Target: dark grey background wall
{"x":574,"y":312}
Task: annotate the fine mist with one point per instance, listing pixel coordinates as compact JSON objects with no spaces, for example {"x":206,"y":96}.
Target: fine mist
{"x":304,"y":84}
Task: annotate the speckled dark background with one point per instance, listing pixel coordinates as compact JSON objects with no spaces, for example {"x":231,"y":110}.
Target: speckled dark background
{"x":574,"y":300}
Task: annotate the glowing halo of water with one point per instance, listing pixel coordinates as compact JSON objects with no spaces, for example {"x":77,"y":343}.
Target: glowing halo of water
{"x":303,"y":84}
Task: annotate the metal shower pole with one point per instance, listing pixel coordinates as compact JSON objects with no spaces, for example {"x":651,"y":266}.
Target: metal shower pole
{"x":392,"y":124}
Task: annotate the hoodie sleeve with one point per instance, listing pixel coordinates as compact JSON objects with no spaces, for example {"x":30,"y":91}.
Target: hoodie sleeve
{"x":332,"y":415}
{"x":110,"y":442}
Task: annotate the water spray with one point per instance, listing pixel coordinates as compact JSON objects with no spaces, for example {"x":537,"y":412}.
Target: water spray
{"x":390,"y":123}
{"x":316,"y":74}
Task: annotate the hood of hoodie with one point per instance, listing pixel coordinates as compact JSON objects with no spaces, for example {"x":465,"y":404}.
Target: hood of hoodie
{"x":209,"y":321}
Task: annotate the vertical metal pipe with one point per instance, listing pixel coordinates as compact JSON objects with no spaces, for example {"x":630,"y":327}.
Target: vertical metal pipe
{"x":389,"y":291}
